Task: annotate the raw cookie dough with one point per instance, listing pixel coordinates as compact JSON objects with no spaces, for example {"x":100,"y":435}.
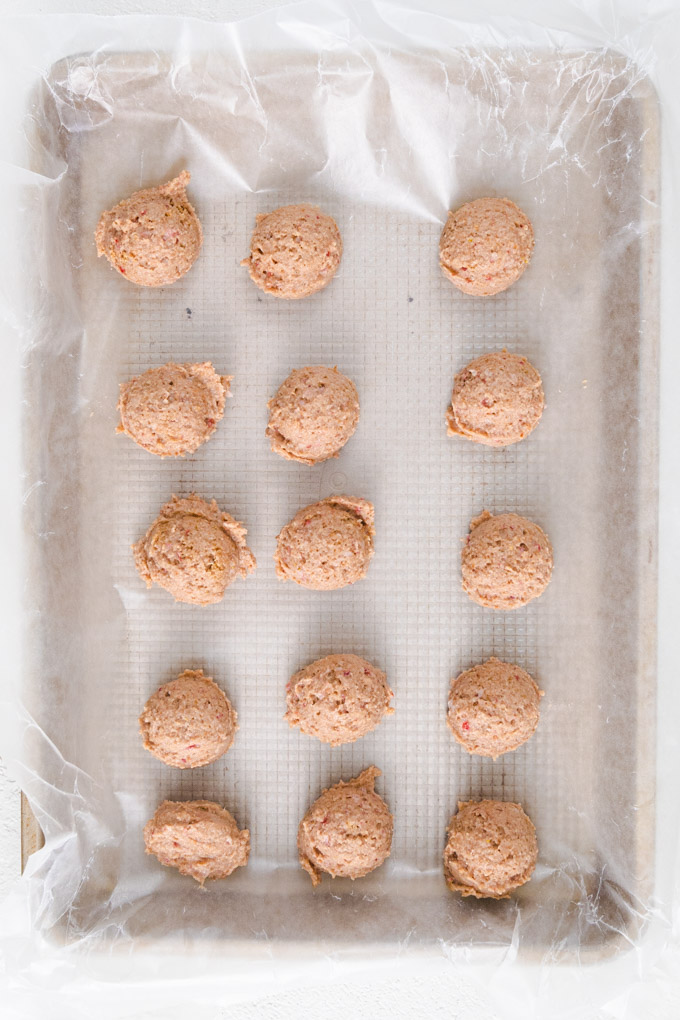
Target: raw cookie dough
{"x":171,"y":410}
{"x":507,"y":561}
{"x":497,"y":400}
{"x":327,"y":545}
{"x":486,"y":245}
{"x":491,"y":849}
{"x":294,"y":251}
{"x":347,"y":832}
{"x":197,"y":837}
{"x":338,"y":699}
{"x":493,"y":708}
{"x":312,"y":416}
{"x":194,"y":551}
{"x":188,"y":722}
{"x":154,"y":236}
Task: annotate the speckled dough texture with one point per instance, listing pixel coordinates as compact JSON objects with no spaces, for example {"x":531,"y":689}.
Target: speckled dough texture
{"x":493,"y":708}
{"x":328,"y":544}
{"x":507,"y":561}
{"x":497,"y":400}
{"x":347,"y":832}
{"x":153,"y":237}
{"x":294,"y":251}
{"x":338,"y":699}
{"x":198,"y":837}
{"x":312,"y":416}
{"x":491,"y":849}
{"x":188,"y":722}
{"x":485,"y":246}
{"x":173,"y":409}
{"x":193,"y":550}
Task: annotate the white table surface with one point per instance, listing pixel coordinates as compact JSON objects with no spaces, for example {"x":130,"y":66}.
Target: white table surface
{"x":407,"y":997}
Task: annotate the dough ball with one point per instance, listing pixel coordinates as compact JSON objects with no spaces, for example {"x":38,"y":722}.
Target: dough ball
{"x":497,"y":400}
{"x":493,"y":708}
{"x":188,"y":722}
{"x":507,"y":561}
{"x":294,"y":251}
{"x":327,"y":545}
{"x":338,"y":699}
{"x":486,"y":245}
{"x":347,"y":832}
{"x":491,"y":849}
{"x":312,"y":416}
{"x":154,"y":236}
{"x":197,"y":837}
{"x":173,"y":409}
{"x":194,"y":551}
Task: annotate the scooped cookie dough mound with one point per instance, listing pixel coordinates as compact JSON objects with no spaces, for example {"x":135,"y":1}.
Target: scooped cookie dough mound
{"x":197,"y":837}
{"x":497,"y":400}
{"x":507,"y":561}
{"x":188,"y":722}
{"x":493,"y":708}
{"x":312,"y":416}
{"x":171,"y":410}
{"x":193,"y":550}
{"x":338,"y":699}
{"x":295,"y":251}
{"x":153,"y":237}
{"x":486,"y":245}
{"x":347,"y":832}
{"x":327,"y":545}
{"x":491,"y":849}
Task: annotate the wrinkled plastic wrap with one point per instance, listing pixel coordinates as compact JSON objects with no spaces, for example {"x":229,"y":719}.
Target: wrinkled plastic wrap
{"x":386,"y":118}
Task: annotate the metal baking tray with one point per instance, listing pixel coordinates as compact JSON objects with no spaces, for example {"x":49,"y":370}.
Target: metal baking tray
{"x":385,"y":142}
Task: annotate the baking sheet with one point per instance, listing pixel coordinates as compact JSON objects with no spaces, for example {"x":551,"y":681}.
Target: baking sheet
{"x":386,"y":141}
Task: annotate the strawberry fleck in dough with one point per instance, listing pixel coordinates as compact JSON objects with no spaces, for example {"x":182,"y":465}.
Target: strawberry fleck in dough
{"x":347,"y":832}
{"x":327,"y":545}
{"x":493,"y":708}
{"x":313,"y":414}
{"x":188,"y":722}
{"x":486,"y":245}
{"x":507,"y":561}
{"x":198,"y":837}
{"x":338,"y":699}
{"x":294,"y":251}
{"x":497,"y":400}
{"x":193,"y":550}
{"x":173,"y":409}
{"x":491,"y":849}
{"x":153,"y":237}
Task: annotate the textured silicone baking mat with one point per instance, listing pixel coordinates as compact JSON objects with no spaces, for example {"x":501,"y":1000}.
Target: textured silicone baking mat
{"x":573,"y":140}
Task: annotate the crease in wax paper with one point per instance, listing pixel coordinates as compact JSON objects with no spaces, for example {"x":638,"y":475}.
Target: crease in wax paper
{"x":386,"y":117}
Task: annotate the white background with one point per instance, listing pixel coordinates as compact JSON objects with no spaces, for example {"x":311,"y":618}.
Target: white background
{"x":439,"y":996}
